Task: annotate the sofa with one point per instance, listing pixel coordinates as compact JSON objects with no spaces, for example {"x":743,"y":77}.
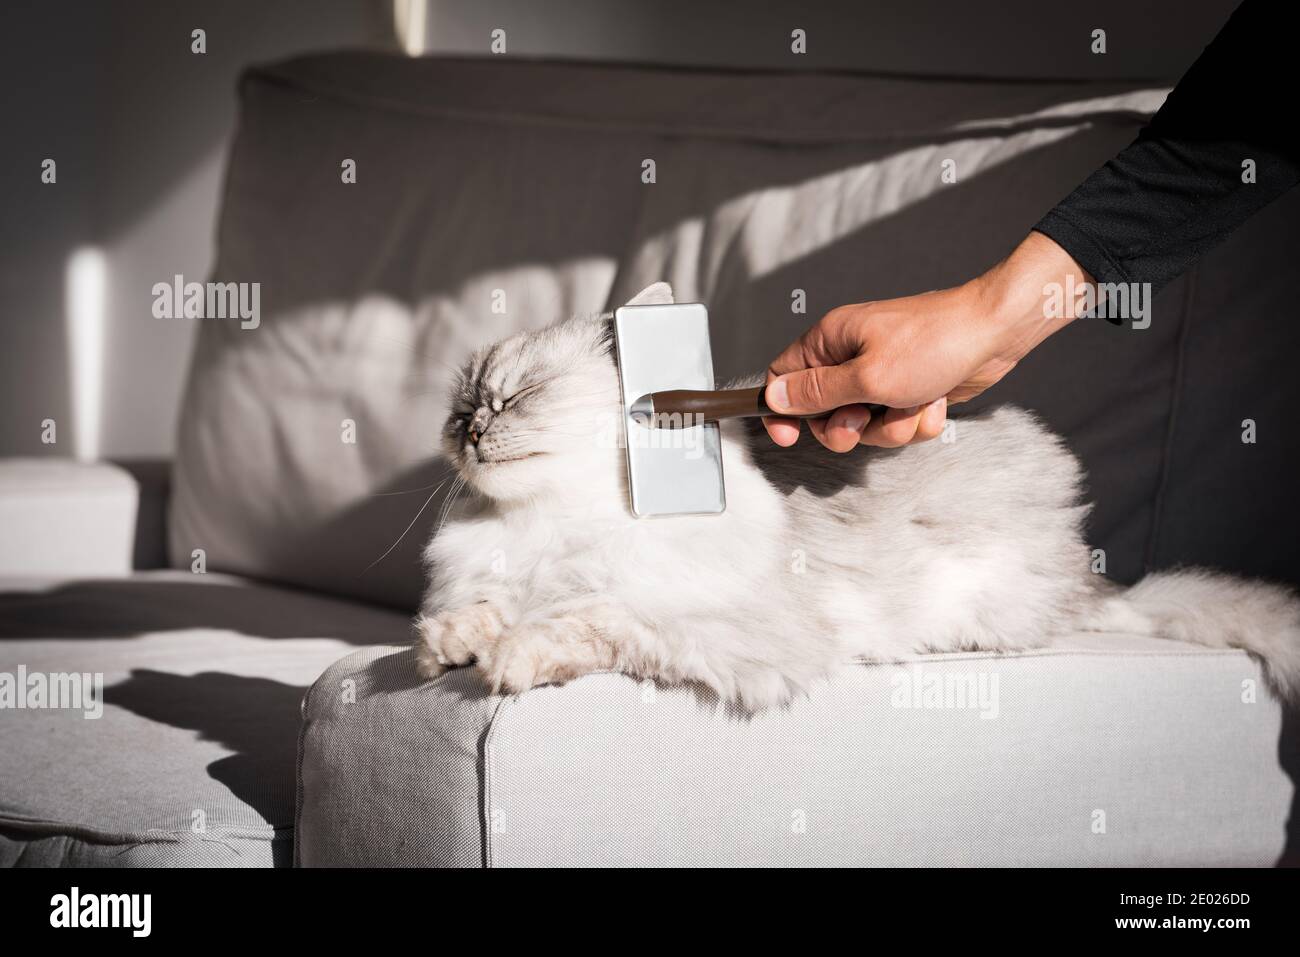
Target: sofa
{"x":248,"y":604}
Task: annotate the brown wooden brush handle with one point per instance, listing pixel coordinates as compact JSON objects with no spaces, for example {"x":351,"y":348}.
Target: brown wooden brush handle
{"x":720,"y":404}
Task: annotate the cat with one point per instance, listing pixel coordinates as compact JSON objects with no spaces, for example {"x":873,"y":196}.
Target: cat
{"x":819,"y":558}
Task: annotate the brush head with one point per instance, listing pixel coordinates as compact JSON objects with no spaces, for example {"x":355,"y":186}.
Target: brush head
{"x":669,"y":471}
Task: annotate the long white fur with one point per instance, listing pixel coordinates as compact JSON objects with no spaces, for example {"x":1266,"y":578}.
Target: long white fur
{"x":818,"y":559}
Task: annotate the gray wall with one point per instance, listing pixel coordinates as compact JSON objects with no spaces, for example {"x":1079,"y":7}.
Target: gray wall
{"x":1149,"y":39}
{"x":139,"y":126}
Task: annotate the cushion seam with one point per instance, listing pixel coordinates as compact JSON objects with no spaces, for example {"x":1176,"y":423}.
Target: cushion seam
{"x":494,"y":724}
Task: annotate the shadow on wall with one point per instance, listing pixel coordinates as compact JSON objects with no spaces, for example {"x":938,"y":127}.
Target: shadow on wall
{"x":137,"y":125}
{"x":1014,"y":38}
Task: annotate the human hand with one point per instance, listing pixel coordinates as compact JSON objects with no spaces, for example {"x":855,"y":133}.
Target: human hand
{"x":916,"y":354}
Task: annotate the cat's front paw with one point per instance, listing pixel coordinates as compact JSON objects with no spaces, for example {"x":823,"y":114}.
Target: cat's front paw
{"x":547,"y":651}
{"x":455,"y":637}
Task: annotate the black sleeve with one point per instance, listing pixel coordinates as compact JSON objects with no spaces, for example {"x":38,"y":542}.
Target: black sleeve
{"x":1180,"y":187}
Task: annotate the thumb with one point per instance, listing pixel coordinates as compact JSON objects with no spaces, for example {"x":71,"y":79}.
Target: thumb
{"x":814,"y":390}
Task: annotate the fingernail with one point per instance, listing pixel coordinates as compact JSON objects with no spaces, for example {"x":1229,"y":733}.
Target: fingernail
{"x":856,"y":421}
{"x":778,"y":396}
{"x":935,"y":411}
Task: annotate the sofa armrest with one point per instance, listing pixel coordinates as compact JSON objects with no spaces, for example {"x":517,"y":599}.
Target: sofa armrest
{"x":153,"y":478}
{"x":1007,"y":766}
{"x":66,"y":519}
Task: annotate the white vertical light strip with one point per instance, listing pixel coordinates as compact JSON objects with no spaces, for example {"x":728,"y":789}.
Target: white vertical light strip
{"x":85,"y":298}
{"x":410,"y":18}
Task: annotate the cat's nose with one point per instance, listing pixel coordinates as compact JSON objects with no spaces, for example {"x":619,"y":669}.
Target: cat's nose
{"x":478,"y":425}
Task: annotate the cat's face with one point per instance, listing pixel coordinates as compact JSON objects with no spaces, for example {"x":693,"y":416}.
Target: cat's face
{"x":539,"y":415}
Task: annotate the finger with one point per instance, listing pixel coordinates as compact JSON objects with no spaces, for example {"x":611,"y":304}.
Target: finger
{"x":844,"y":427}
{"x":933,"y":417}
{"x":896,"y":427}
{"x":818,"y":428}
{"x":809,"y":350}
{"x":820,"y":389}
{"x":835,"y":338}
{"x":783,"y":431}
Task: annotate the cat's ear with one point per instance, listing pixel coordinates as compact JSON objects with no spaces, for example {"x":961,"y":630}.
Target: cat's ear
{"x":656,"y":294}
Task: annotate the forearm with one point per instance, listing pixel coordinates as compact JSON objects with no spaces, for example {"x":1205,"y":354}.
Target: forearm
{"x":1216,"y":152}
{"x":1035,"y":292}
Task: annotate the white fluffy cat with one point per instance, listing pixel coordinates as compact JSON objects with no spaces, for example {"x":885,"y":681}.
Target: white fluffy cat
{"x":818,"y":559}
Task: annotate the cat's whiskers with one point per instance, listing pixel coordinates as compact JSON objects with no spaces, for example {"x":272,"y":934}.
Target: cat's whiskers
{"x":456,"y":488}
{"x":435,"y":485}
{"x":407,"y":529}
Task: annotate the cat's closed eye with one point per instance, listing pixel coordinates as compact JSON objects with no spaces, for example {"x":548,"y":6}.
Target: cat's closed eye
{"x":521,"y":392}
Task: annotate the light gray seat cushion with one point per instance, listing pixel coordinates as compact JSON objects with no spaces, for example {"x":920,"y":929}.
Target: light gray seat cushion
{"x":192,"y":760}
{"x":1102,"y":750}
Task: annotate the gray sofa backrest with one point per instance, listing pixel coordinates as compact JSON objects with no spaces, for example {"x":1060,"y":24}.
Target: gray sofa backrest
{"x":493,"y":195}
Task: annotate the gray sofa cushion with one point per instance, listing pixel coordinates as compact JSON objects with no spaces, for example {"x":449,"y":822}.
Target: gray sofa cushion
{"x":518,"y":185}
{"x":390,"y":766}
{"x":192,"y":760}
{"x":1101,"y":750}
{"x":1223,"y":502}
